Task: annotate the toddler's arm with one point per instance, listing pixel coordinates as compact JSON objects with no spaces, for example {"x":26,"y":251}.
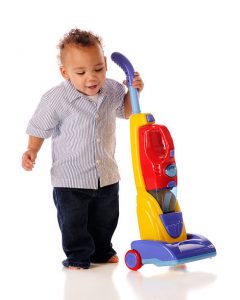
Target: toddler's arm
{"x":29,"y":156}
{"x":137,"y":84}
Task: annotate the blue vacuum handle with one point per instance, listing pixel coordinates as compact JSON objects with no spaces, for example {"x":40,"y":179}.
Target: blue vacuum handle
{"x":128,"y":69}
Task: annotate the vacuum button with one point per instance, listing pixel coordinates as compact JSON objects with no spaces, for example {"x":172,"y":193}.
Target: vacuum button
{"x":150,"y":118}
{"x":171,"y":170}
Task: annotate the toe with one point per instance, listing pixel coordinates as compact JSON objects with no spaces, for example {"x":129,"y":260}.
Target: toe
{"x":114,"y":259}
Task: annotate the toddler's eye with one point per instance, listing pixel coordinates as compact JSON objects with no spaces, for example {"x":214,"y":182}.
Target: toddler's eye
{"x":80,"y":73}
{"x":98,"y":70}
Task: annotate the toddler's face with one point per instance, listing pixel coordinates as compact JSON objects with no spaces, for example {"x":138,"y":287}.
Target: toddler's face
{"x":85,"y":67}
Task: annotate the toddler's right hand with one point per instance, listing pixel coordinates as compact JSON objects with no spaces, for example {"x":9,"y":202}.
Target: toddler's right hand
{"x":28,"y":159}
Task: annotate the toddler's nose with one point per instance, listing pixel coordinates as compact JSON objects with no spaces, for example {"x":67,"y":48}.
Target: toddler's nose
{"x":91,"y":76}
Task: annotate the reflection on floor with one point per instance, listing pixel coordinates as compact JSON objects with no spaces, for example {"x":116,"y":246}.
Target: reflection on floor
{"x":94,"y":283}
{"x":172,"y":284}
{"x":115,"y":282}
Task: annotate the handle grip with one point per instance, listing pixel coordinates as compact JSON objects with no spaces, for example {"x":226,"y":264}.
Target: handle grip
{"x":125,"y":65}
{"x":128,"y":69}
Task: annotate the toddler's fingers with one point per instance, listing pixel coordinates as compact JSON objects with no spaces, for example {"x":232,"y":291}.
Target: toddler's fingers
{"x":28,"y":165}
{"x":28,"y":161}
{"x":138,"y":84}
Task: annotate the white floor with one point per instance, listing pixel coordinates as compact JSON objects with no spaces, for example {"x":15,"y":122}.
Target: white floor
{"x":202,"y":280}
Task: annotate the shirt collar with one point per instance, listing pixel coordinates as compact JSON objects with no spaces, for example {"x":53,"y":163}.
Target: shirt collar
{"x":73,"y":94}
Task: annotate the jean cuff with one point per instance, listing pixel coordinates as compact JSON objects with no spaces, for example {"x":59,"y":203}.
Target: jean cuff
{"x":69,"y":263}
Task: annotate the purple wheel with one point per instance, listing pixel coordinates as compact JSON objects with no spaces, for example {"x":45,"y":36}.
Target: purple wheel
{"x":133,"y":260}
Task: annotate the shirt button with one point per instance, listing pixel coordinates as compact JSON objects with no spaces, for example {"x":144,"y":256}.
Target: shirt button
{"x":97,"y":161}
{"x":97,"y":116}
{"x":98,"y":140}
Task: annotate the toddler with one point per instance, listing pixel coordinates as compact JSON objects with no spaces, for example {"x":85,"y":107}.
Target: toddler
{"x":80,"y":116}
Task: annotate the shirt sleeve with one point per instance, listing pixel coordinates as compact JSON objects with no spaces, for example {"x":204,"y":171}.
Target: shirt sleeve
{"x":120,"y":94}
{"x":43,"y":121}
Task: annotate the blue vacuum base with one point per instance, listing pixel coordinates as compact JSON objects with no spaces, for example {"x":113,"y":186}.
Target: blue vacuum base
{"x":196,"y":247}
{"x":176,"y":262}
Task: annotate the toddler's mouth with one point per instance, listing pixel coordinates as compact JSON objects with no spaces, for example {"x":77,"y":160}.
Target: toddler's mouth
{"x":92,"y":87}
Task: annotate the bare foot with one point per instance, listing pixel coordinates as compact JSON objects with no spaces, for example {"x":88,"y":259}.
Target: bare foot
{"x":114,"y":259}
{"x":74,"y":268}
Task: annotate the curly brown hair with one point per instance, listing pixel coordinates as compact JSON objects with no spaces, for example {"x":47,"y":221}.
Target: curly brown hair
{"x":78,"y":37}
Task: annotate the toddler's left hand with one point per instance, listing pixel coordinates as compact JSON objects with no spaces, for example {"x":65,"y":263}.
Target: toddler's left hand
{"x":137,"y":82}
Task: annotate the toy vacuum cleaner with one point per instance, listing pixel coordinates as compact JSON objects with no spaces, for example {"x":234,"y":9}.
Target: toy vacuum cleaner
{"x":164,"y":241}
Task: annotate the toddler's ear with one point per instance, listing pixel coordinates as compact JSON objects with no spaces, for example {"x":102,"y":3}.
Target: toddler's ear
{"x":64,"y":72}
{"x":105,"y":59}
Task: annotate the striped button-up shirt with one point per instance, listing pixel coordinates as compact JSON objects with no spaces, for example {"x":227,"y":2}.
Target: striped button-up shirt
{"x":83,"y":133}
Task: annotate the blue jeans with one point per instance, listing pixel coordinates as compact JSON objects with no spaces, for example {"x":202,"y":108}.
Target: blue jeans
{"x":87,"y":219}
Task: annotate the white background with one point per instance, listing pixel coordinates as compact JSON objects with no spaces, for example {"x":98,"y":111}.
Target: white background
{"x":188,"y":55}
